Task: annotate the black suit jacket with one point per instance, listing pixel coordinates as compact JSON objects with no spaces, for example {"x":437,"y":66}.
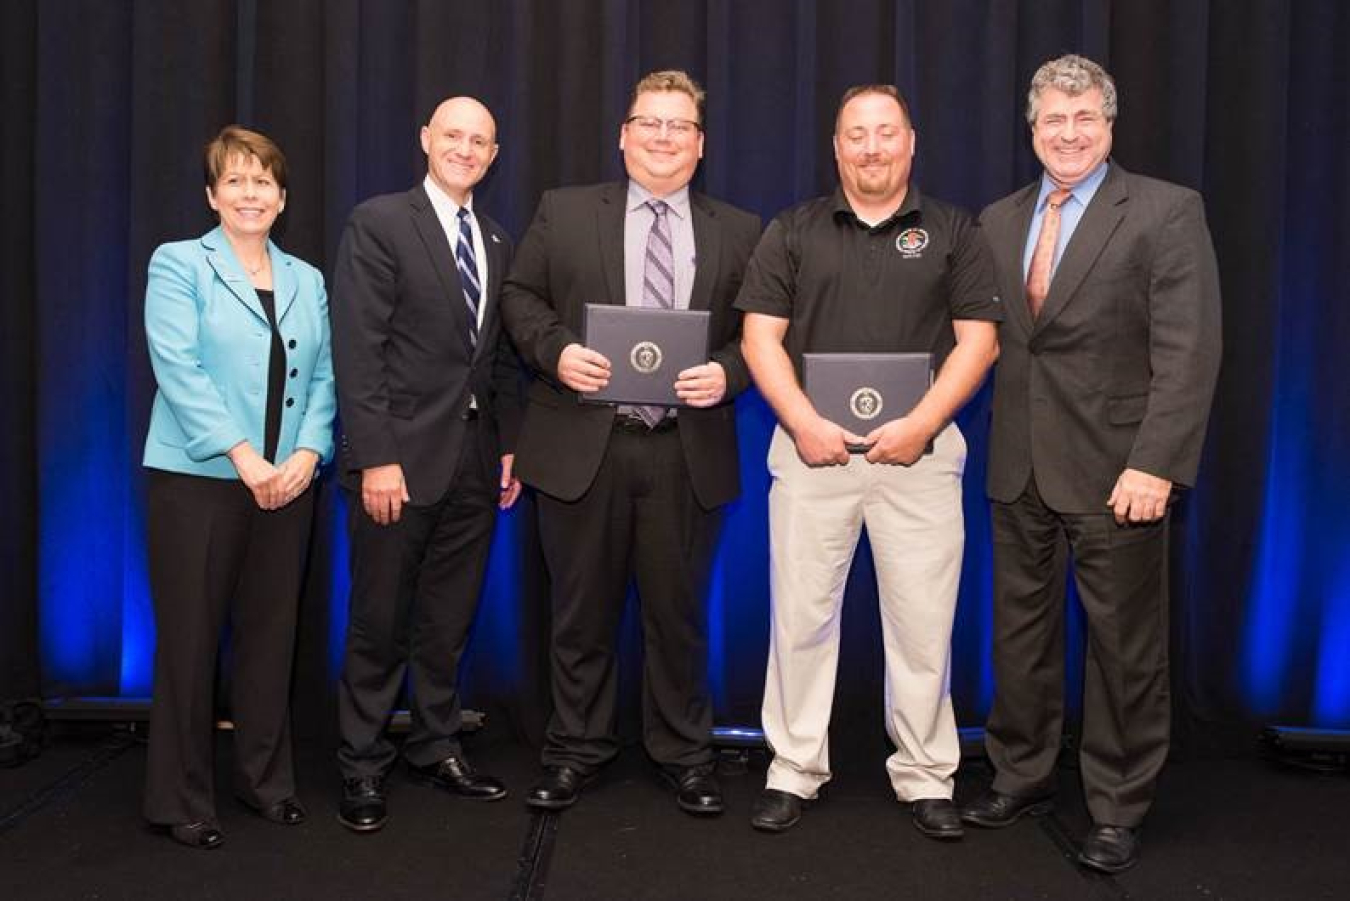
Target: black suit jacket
{"x":1119,"y":368}
{"x":572,"y":255}
{"x":405,"y":367}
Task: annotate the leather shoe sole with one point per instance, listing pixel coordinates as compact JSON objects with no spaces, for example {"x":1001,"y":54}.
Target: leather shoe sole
{"x":698,"y":794}
{"x":362,"y":807}
{"x":558,"y":792}
{"x":363,"y":824}
{"x":994,"y":810}
{"x":480,"y":788}
{"x":776,"y":811}
{"x":1110,"y":849}
{"x":202,"y":836}
{"x":286,"y":812}
{"x":937,"y":818}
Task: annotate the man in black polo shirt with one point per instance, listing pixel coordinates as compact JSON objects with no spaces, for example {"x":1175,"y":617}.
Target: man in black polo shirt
{"x":876,"y":267}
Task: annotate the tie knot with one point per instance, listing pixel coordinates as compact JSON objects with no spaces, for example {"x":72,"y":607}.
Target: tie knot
{"x":463,"y":214}
{"x":1057,"y":197}
{"x":658,"y":207}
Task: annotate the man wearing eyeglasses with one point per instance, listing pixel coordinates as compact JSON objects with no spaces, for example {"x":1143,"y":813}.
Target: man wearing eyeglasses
{"x":876,"y":267}
{"x":1111,"y":353}
{"x":625,"y":493}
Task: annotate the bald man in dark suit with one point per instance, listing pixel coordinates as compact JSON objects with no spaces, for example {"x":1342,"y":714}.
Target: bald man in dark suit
{"x":426,"y":384}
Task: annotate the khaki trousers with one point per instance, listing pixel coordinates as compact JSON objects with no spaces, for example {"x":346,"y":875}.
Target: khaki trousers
{"x":914,"y":523}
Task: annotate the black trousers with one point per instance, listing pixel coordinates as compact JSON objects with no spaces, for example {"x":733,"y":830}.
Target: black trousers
{"x":213,"y":553}
{"x":1121,"y":575}
{"x":640,"y":520}
{"x":414,"y":591}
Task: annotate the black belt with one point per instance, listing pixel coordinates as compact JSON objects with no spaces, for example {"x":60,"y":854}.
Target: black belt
{"x":636,"y":425}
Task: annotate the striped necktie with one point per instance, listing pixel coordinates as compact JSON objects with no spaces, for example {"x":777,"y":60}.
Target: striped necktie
{"x":658,"y":274}
{"x":468,"y":273}
{"x":658,"y":282}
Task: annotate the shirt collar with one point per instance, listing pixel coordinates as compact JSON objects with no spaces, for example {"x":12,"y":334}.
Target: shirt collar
{"x":446,"y":209}
{"x":678,"y":201}
{"x":1082,"y":192}
{"x":911,"y":205}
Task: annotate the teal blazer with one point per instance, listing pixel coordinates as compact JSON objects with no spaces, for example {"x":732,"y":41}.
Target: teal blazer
{"x":209,"y":343}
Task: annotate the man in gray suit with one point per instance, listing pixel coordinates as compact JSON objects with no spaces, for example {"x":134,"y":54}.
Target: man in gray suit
{"x":1101,"y":400}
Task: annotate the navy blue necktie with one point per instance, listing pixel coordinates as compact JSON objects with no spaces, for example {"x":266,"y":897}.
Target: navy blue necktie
{"x":468,"y":273}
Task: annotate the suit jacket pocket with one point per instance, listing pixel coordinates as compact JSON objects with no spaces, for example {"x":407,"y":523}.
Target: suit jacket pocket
{"x":1125,"y":410}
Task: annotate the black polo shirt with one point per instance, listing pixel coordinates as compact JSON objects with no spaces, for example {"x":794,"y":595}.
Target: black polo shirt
{"x":848,"y":287}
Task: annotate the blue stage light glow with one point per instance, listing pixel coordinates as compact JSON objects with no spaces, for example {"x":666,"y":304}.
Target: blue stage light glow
{"x":138,"y":622}
{"x":339,"y":586}
{"x":82,"y":536}
{"x":717,"y":650}
{"x":1271,"y":615}
{"x":1331,"y":700}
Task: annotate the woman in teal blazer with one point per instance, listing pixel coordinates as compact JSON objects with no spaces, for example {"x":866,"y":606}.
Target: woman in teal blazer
{"x":242,"y":418}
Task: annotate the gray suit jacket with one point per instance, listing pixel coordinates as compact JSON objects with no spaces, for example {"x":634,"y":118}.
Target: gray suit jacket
{"x":1119,"y":369}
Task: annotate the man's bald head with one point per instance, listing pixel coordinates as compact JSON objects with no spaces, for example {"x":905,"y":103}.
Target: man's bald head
{"x":460,"y":142}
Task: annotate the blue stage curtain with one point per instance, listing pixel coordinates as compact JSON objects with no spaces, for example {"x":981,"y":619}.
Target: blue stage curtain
{"x":110,"y":103}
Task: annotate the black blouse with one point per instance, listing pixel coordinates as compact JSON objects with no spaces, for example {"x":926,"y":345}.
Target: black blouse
{"x":276,"y":378}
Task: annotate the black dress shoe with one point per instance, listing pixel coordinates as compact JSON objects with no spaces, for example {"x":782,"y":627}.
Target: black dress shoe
{"x":776,"y":811}
{"x":937,"y":818}
{"x":363,"y":808}
{"x":1110,"y":849}
{"x":558,"y":788}
{"x":203,"y":835}
{"x":287,"y":812}
{"x":458,"y":778}
{"x":994,"y":810}
{"x":696,"y":789}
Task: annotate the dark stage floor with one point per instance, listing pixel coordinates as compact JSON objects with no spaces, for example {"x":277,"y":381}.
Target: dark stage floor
{"x":1240,"y":829}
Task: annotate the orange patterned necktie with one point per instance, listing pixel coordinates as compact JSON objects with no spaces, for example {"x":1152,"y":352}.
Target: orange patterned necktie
{"x":1038,"y":274}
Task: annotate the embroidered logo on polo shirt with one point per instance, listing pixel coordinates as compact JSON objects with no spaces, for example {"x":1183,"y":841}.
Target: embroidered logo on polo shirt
{"x":911,"y":243}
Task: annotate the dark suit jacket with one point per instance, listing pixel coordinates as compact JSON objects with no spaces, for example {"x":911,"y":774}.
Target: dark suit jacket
{"x":572,"y":255}
{"x":405,"y":368}
{"x":1119,"y":369}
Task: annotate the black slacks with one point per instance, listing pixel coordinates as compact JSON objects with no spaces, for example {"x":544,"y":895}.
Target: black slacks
{"x":414,"y":591}
{"x":213,"y":553}
{"x":1121,"y":575}
{"x":640,"y":520}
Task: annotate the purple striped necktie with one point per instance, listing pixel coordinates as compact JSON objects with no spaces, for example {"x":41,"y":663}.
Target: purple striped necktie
{"x":658,"y":282}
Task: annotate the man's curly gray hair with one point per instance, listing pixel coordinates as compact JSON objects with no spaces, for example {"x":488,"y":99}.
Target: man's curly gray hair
{"x":1073,"y":75}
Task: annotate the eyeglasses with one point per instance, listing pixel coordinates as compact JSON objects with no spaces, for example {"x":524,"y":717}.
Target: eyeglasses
{"x":650,"y":126}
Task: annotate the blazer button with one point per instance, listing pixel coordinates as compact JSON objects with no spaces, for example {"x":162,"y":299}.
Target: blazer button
{"x":291,"y":344}
{"x":290,"y":402}
{"x":294,"y":373}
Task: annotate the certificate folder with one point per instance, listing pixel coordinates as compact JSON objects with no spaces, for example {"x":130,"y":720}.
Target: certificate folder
{"x":862,"y":391}
{"x":646,"y":348}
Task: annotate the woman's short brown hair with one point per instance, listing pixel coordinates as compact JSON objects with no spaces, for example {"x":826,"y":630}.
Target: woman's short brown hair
{"x":235,"y":140}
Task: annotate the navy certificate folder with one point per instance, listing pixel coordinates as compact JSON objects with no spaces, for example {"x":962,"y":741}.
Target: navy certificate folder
{"x":861,"y":391}
{"x":646,"y":348}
